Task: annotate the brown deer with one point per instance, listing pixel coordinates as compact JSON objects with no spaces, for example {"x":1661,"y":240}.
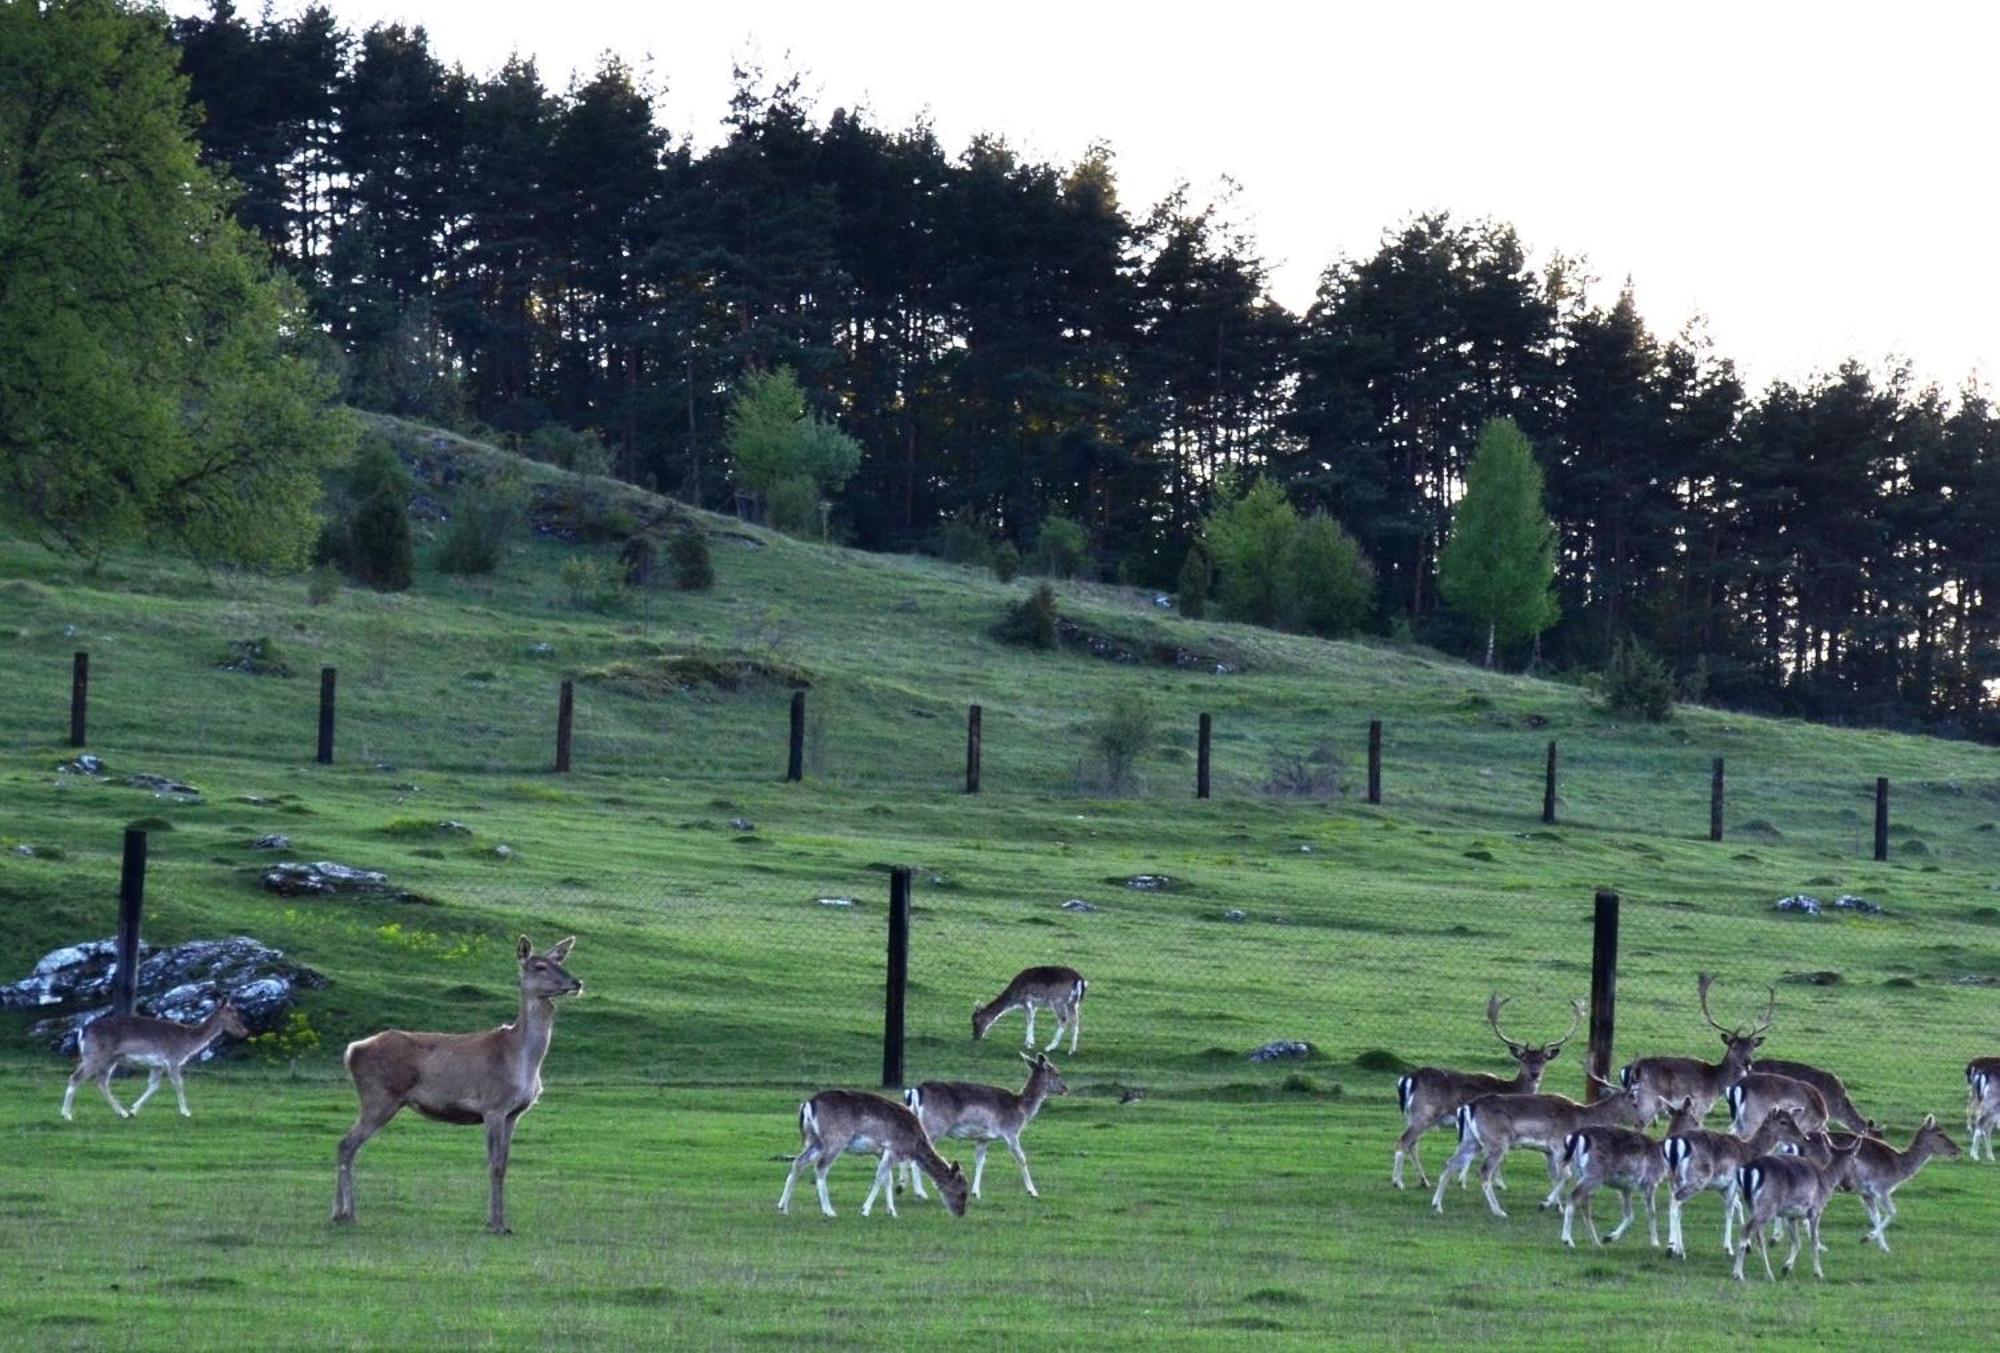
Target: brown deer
{"x":837,"y":1121}
{"x":1674,"y":1079}
{"x":1623,"y":1159}
{"x":1876,"y":1170}
{"x":1761,"y":1093}
{"x":1839,"y":1107}
{"x":1056,"y":989}
{"x":984,"y":1114}
{"x":468,"y":1079}
{"x":1430,"y":1096}
{"x":1701,"y":1161}
{"x":159,"y":1045}
{"x":1493,"y":1125}
{"x":1788,"y":1188}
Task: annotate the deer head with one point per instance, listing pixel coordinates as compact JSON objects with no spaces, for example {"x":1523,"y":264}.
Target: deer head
{"x":1779,"y":1132}
{"x":231,"y":1019}
{"x":1533,"y":1057}
{"x":1740,"y":1045}
{"x":543,"y":974}
{"x":1043,"y":1078}
{"x":953,"y":1188}
{"x":1932,"y":1139}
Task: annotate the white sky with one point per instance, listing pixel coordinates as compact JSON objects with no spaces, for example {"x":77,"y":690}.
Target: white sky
{"x":1816,"y":179}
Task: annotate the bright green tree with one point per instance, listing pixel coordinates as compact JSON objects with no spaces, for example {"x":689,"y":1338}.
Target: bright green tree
{"x":1499,"y":565}
{"x":1249,"y":540}
{"x":783,"y":451}
{"x":155,"y":380}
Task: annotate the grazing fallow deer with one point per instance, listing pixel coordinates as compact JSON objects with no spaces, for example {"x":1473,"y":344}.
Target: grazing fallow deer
{"x":1700,"y":1161}
{"x":159,"y":1045}
{"x":983,"y":1114}
{"x":468,"y":1079}
{"x":1619,"y":1158}
{"x":1876,"y":1170}
{"x":1493,"y":1125}
{"x":1791,"y":1188}
{"x":1056,"y":989}
{"x":836,"y":1121}
{"x":1839,"y":1108}
{"x":1430,"y":1096}
{"x":1674,"y":1079}
{"x":1982,"y":1102}
{"x":1761,"y":1093}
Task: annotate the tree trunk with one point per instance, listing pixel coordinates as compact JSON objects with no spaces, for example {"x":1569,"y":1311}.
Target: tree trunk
{"x":1490,"y":627}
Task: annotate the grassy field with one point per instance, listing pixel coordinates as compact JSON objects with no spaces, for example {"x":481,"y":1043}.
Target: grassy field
{"x":1189,"y":1195}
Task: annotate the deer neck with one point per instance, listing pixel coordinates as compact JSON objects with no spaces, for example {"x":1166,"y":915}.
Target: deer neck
{"x":534,"y":1026}
{"x":1903,"y":1164}
{"x":929,"y":1161}
{"x":1032,"y":1097}
{"x":205,"y":1032}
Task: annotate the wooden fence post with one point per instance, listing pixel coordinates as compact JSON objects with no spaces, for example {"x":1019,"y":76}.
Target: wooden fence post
{"x":326,"y":684}
{"x":1715,"y":792}
{"x":1374,"y":761}
{"x":898,"y":982}
{"x":1603,"y":990}
{"x":565,"y":725}
{"x":795,"y":767}
{"x":1202,"y":758}
{"x":1881,"y":817}
{"x":1549,"y":787}
{"x":131,"y":901}
{"x":79,"y":698}
{"x":972,"y":750}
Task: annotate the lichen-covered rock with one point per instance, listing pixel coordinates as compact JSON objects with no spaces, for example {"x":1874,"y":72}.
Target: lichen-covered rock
{"x":161,"y":784}
{"x":1077,"y":904}
{"x":323,"y":878}
{"x":275,"y":841}
{"x":83,"y":765}
{"x":1281,"y":1050}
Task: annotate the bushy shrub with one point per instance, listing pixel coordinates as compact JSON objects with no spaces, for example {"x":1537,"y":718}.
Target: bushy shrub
{"x":1191,"y":592}
{"x":1637,"y":684}
{"x":693,"y":571}
{"x":791,"y":505}
{"x":1249,"y":538}
{"x":636,"y":558}
{"x":322,"y":584}
{"x":1062,"y":548}
{"x":1006,"y":562}
{"x":581,"y":453}
{"x":1122,"y":734}
{"x":959,"y":541}
{"x":1330,"y":587}
{"x":382,"y":553}
{"x":366,"y":533}
{"x":483,"y":521}
{"x":591,"y":584}
{"x":1030,"y":621}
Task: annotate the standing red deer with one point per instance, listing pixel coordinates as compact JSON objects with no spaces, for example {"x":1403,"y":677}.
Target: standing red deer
{"x":491,"y":1078}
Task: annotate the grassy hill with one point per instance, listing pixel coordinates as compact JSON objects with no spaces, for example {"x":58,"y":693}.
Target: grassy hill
{"x":1187,"y":1192}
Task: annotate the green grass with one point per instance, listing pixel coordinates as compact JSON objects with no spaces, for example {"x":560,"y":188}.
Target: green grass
{"x":1189,"y":1196}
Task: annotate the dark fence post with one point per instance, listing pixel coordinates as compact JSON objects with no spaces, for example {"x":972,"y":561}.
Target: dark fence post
{"x":899,"y":978}
{"x":1374,"y":761}
{"x":1603,"y":990}
{"x":326,"y":682}
{"x":1715,"y":791}
{"x":1201,"y":758}
{"x":79,"y":698}
{"x":1881,"y":817}
{"x":131,"y":901}
{"x":972,"y":750}
{"x":565,"y":725}
{"x":795,"y":768}
{"x":1549,"y":788}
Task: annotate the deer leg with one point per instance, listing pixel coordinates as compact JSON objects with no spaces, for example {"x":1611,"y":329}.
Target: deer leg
{"x":800,"y":1164}
{"x":1676,"y":1244}
{"x":1021,"y":1158}
{"x":1732,"y":1206}
{"x":1813,"y":1222}
{"x":1798,"y":1238}
{"x":86,"y":1070}
{"x":1408,"y":1145}
{"x":882,"y":1172}
{"x":1075,"y":1026}
{"x":1461,"y":1161}
{"x":1569,"y":1215}
{"x":152,"y":1084}
{"x":916,"y":1179}
{"x":1488,"y":1168}
{"x":978,"y":1165}
{"x":374,"y":1116}
{"x":824,"y":1164}
{"x":499,"y":1140}
{"x":1062,"y":1023}
{"x":1764,"y":1248}
{"x":1624,"y":1221}
{"x":180,"y":1091}
{"x":104,"y":1084}
{"x":1653,"y":1216}
{"x":1555,"y":1181}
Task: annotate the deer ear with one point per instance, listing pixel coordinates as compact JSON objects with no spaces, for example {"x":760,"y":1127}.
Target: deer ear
{"x":523,"y":949}
{"x":560,"y":949}
{"x":1555,"y":1052}
{"x":1930,"y":1120}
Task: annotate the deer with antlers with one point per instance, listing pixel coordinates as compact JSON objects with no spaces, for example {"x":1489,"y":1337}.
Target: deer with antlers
{"x":1788,"y":1188}
{"x":159,"y":1045}
{"x":1493,"y":1125}
{"x":1701,"y":1161}
{"x":489,"y":1078}
{"x":1982,"y":1102}
{"x":1430,"y":1096}
{"x":1672,"y":1080}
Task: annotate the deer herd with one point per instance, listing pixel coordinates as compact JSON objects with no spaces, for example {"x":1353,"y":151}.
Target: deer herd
{"x":1778,"y":1165}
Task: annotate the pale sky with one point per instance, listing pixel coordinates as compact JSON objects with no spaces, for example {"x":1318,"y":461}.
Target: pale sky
{"x":1818,"y":180}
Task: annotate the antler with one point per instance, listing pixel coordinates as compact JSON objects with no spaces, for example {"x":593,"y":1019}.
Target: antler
{"x":1575,"y":1019}
{"x":1769,"y":1012}
{"x":1706,"y":979}
{"x":1493,"y":1004}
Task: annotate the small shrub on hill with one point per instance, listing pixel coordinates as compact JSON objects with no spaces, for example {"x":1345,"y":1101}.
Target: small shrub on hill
{"x":791,"y":505}
{"x":1122,"y":734}
{"x":1062,"y":548}
{"x":1191,"y":591}
{"x":591,"y":585}
{"x":484,"y":520}
{"x":1006,"y":562}
{"x":1636,"y":684}
{"x":693,"y":571}
{"x":383,"y":554}
{"x":322,"y":585}
{"x":1031,"y":621}
{"x":580,"y":453}
{"x":959,"y":541}
{"x":636,"y":558}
